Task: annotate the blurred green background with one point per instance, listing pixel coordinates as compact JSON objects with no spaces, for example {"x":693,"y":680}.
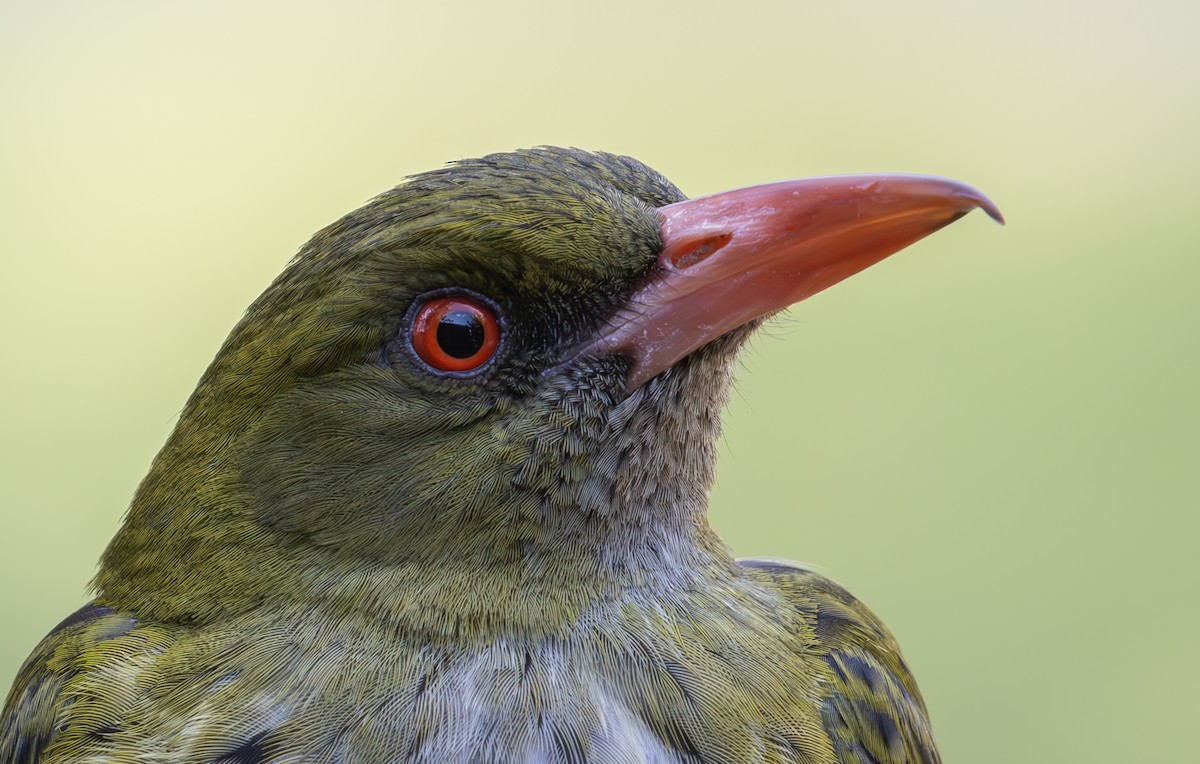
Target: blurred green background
{"x":992,"y":438}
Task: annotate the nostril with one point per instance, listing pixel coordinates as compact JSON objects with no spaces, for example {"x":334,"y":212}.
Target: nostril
{"x":692,"y":252}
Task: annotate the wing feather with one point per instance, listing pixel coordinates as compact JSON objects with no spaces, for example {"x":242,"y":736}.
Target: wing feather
{"x":36,"y":708}
{"x":873,"y":712}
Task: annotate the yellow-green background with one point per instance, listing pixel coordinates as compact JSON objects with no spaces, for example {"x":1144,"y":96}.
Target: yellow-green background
{"x":992,"y":438}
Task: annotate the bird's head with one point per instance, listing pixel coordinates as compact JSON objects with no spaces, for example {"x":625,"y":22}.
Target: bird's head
{"x":507,"y":372}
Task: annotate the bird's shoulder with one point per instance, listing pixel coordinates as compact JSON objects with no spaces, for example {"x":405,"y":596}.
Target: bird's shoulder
{"x":85,"y":645}
{"x":873,"y":711}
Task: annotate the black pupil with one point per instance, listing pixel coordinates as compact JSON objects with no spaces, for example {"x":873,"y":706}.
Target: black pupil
{"x":460,"y":334}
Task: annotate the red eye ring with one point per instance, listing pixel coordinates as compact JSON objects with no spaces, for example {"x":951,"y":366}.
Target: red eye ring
{"x":455,"y":333}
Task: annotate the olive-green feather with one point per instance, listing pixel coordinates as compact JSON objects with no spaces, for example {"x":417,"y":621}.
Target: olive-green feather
{"x":667,"y":683}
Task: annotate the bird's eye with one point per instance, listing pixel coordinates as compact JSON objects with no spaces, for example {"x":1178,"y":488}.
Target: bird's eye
{"x":455,"y":333}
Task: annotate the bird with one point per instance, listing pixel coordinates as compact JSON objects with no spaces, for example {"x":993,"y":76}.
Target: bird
{"x":441,"y":496}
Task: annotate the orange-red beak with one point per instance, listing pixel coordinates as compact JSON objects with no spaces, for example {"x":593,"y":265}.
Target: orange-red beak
{"x":733,"y":257}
